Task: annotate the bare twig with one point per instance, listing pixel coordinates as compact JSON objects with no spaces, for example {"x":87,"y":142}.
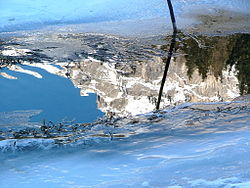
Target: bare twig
{"x":170,"y":53}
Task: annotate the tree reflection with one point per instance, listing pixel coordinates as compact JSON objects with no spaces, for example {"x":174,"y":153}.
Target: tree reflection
{"x":214,"y":54}
{"x":240,"y":56}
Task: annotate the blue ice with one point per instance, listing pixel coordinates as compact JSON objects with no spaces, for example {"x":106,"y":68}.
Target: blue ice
{"x":20,"y":14}
{"x":27,"y":14}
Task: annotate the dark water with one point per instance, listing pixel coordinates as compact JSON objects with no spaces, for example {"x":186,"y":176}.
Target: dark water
{"x":55,"y":96}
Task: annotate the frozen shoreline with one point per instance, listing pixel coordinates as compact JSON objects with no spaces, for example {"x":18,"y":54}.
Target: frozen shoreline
{"x":171,"y":148}
{"x":106,"y":130}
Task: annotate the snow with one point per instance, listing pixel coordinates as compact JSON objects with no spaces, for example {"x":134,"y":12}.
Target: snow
{"x":135,"y":107}
{"x":169,"y":152}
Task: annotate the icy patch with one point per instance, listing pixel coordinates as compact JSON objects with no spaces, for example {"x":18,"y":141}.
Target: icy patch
{"x":123,"y":17}
{"x":17,"y":118}
{"x":26,"y":144}
{"x":220,"y":182}
{"x":43,"y":12}
{"x":173,"y":149}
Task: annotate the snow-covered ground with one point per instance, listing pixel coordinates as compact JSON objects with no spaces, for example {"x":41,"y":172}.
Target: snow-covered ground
{"x":192,"y":145}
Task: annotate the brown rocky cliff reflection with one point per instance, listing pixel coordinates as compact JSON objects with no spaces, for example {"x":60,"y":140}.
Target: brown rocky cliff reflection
{"x":126,"y":74}
{"x":136,"y":91}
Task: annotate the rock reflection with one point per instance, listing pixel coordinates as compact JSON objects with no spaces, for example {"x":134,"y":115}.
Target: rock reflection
{"x":126,"y":74}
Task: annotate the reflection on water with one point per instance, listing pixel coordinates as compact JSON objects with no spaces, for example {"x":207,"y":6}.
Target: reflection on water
{"x":53,"y":96}
{"x":125,"y":74}
{"x":171,"y":147}
{"x":213,"y":54}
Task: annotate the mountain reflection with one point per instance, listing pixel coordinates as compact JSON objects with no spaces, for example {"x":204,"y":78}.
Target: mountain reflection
{"x":126,"y":74}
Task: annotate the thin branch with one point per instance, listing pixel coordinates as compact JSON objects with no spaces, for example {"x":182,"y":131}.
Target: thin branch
{"x":170,"y":53}
{"x":171,"y":10}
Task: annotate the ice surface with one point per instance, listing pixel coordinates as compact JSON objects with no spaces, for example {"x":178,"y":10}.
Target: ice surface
{"x":193,"y":145}
{"x":148,"y":14}
{"x":17,"y":14}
